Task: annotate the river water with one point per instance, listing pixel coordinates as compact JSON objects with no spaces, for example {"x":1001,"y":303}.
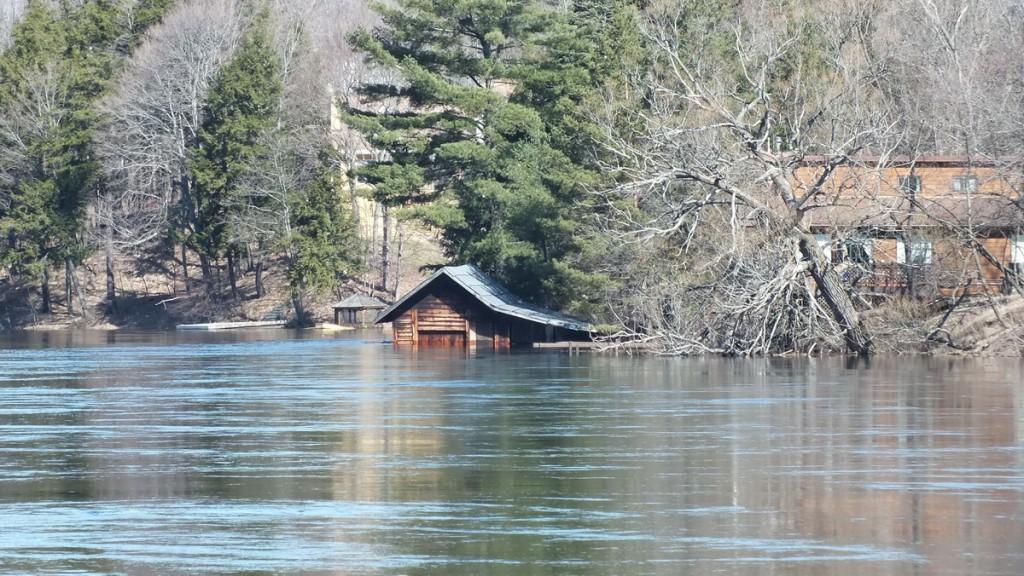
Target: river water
{"x":281,"y":452}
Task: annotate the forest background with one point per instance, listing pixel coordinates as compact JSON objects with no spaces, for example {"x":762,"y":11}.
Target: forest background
{"x":625,"y":161}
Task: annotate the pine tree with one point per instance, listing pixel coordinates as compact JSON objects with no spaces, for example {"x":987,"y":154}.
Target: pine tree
{"x":26,"y":219}
{"x":323,"y":245}
{"x":583,"y":56}
{"x":486,"y":143}
{"x":144,"y":14}
{"x":241,"y":106}
{"x":60,"y":61}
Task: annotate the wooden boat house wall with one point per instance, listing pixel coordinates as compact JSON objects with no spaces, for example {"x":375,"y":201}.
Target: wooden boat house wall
{"x":461,"y":307}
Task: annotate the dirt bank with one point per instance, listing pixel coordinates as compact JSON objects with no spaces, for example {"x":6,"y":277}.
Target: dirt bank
{"x":151,"y":298}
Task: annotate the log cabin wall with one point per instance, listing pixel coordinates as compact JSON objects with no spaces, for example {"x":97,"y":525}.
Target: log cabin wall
{"x":404,"y":333}
{"x":453,"y":321}
{"x":446,"y":317}
{"x":444,"y":314}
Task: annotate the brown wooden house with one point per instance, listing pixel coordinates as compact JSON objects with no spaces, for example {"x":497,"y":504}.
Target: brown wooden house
{"x":461,"y":307}
{"x":924,"y":226}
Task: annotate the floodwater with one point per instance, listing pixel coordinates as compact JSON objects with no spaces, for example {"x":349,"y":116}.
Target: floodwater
{"x":277,"y":452}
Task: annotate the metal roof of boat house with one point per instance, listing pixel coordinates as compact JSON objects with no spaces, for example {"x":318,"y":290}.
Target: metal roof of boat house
{"x":490,"y":293}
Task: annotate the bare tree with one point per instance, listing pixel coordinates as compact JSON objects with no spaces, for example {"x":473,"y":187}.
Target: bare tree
{"x":959,"y":93}
{"x":10,"y":10}
{"x":729,"y":110}
{"x":260,"y":219}
{"x":348,"y":71}
{"x":153,"y":119}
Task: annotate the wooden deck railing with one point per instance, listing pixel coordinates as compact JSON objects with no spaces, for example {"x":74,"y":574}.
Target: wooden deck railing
{"x":921,"y":281}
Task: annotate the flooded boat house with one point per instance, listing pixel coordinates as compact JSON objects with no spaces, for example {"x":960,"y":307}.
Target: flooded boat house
{"x":461,"y":307}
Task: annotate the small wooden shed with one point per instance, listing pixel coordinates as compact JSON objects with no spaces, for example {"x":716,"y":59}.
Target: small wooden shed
{"x":357,"y":310}
{"x":461,"y":307}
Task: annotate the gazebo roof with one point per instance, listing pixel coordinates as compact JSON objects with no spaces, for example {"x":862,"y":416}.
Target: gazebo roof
{"x":359,"y":301}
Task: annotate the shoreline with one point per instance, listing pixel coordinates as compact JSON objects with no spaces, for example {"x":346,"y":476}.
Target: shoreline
{"x":575,"y":348}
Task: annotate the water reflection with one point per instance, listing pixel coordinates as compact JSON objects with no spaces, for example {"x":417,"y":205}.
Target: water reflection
{"x":299,"y":453}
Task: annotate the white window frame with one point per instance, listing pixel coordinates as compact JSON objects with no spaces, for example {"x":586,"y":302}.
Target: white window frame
{"x":1017,"y":249}
{"x":965,"y":183}
{"x":916,"y":244}
{"x":825,"y":244}
{"x":912,"y":190}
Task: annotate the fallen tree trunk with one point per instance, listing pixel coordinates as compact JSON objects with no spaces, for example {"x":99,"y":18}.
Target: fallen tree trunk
{"x":838,"y":300}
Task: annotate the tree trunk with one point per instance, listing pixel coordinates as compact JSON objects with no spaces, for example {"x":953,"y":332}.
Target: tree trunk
{"x":836,"y":297}
{"x":398,"y":259}
{"x":78,"y":293}
{"x":353,"y":184}
{"x":259,"y":278}
{"x":299,"y":307}
{"x":385,"y":250}
{"x":68,"y":280}
{"x":109,"y":258}
{"x":231,"y":274}
{"x":371,"y":255}
{"x":204,"y":266}
{"x":45,"y":288}
{"x":184,"y":266}
{"x":910,"y":288}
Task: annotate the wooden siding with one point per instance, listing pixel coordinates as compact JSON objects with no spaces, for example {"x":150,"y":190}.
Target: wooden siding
{"x":437,"y":315}
{"x":447,"y":316}
{"x":936,"y":181}
{"x":439,"y":319}
{"x":443,"y":339}
{"x":403,"y":329}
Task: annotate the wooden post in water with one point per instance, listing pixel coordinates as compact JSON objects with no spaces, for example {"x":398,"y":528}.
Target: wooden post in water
{"x":470,"y":335}
{"x":415,"y":329}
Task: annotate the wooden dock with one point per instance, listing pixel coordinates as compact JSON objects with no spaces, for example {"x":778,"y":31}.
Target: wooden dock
{"x":232,"y":325}
{"x":567,"y":345}
{"x":575,"y":347}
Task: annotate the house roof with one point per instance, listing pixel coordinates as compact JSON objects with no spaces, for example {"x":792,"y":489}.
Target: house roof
{"x":905,"y":161}
{"x":492,"y":295}
{"x":360,"y":301}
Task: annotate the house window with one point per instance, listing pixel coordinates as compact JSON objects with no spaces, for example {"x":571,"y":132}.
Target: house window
{"x":920,"y":252}
{"x":825,"y":243}
{"x":910,"y":185}
{"x":965,"y":183}
{"x":859,"y":250}
{"x":1018,"y":249}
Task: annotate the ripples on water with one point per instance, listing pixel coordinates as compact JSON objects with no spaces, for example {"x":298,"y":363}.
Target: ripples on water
{"x":276,"y":453}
